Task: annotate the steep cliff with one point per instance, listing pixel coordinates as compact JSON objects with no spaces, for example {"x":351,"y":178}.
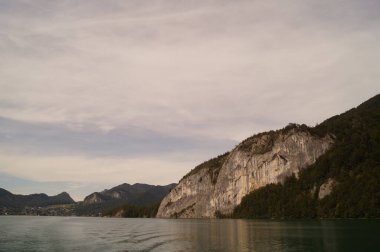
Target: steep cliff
{"x":218,"y":185}
{"x":329,"y":171}
{"x":342,"y":183}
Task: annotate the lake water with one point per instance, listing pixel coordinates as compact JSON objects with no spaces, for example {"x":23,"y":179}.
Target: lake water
{"x":26,"y":233}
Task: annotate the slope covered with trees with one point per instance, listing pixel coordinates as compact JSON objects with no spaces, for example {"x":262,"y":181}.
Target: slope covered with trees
{"x":27,"y":204}
{"x":353,"y":163}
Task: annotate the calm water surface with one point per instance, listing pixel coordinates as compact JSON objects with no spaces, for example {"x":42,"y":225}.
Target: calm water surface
{"x":26,"y":233}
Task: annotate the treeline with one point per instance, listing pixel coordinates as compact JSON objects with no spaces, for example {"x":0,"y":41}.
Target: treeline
{"x":353,"y":162}
{"x":213,"y":167}
{"x":133,"y":211}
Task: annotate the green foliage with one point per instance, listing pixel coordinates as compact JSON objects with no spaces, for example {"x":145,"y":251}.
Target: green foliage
{"x":16,"y":203}
{"x":263,"y":142}
{"x":133,"y":211}
{"x":353,"y":162}
{"x":213,"y":167}
{"x":277,"y":201}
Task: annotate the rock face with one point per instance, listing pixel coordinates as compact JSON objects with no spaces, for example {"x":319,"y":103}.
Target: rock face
{"x":217,"y":186}
{"x":326,"y":188}
{"x":94,"y":198}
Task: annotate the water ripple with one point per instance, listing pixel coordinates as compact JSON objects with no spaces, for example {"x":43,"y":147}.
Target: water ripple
{"x":111,"y":235}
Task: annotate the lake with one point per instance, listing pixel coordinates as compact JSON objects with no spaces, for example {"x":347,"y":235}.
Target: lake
{"x":28,"y":233}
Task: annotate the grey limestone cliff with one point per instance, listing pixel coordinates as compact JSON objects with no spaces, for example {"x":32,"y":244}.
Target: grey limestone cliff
{"x":217,"y":186}
{"x":326,"y":188}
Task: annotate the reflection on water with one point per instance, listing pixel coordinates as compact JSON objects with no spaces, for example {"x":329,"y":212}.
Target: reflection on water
{"x":22,"y":233}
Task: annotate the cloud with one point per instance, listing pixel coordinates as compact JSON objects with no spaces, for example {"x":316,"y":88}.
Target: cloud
{"x":93,"y":170}
{"x":90,"y":140}
{"x":81,"y":159}
{"x":135,"y":79}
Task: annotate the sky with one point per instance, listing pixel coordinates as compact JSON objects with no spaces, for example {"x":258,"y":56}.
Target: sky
{"x":98,"y":93}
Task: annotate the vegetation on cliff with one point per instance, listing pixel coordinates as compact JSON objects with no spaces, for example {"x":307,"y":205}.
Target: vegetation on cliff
{"x":133,"y":211}
{"x":353,"y":162}
{"x":263,"y":142}
{"x":213,"y":167}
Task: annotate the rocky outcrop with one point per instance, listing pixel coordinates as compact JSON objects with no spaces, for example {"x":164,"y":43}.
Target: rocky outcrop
{"x":94,"y":198}
{"x":326,"y":188}
{"x":217,"y":186}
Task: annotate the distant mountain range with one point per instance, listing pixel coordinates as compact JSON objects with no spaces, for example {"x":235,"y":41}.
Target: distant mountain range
{"x":95,"y":204}
{"x":124,"y":194}
{"x":10,"y":200}
{"x":137,"y":194}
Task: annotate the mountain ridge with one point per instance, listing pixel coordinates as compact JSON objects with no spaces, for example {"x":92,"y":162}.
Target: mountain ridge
{"x":10,"y":200}
{"x":137,"y":195}
{"x":272,"y":162}
{"x":129,"y":193}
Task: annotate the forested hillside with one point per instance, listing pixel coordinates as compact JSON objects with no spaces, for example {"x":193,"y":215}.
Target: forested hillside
{"x":351,"y":165}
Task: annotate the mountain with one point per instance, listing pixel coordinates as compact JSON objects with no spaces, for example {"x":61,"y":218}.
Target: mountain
{"x":139,"y":195}
{"x":331,"y":170}
{"x":14,"y":201}
{"x":125,"y":200}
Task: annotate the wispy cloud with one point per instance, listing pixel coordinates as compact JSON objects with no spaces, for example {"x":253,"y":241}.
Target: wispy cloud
{"x":121,"y":80}
{"x":19,"y":137}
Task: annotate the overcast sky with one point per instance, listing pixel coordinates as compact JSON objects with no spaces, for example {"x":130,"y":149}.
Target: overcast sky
{"x":97,"y":93}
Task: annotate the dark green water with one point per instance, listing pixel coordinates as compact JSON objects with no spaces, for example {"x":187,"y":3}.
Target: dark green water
{"x":25,"y":233}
